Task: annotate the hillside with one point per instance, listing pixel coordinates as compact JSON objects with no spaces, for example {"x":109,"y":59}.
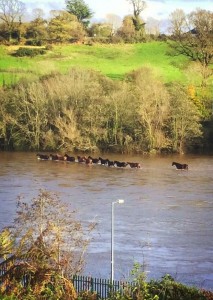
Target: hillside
{"x":111,"y":60}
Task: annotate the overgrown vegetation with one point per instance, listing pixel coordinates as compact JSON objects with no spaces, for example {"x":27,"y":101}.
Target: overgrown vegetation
{"x":86,"y":111}
{"x":44,"y":246}
{"x":165,"y":288}
{"x":136,"y":288}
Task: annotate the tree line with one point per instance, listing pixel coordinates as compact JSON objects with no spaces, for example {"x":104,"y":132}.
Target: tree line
{"x":86,"y":111}
{"x":68,"y":25}
{"x":73,"y":24}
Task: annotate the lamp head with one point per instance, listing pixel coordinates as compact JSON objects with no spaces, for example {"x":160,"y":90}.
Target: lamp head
{"x":120,"y":201}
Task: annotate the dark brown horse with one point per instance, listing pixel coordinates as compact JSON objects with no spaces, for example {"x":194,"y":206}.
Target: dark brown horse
{"x":69,"y":158}
{"x":103,"y":161}
{"x":180,"y":166}
{"x":56,"y":157}
{"x":110,"y":163}
{"x":94,"y":160}
{"x":120,"y":164}
{"x":42,"y":156}
{"x":81,"y":159}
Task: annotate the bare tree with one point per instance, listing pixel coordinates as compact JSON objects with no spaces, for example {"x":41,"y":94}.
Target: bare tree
{"x":153,"y":26}
{"x":115,"y":21}
{"x":138,"y":6}
{"x":38,"y":13}
{"x":11,"y":12}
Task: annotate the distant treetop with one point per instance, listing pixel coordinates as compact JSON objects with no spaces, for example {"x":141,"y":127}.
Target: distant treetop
{"x":80,"y":9}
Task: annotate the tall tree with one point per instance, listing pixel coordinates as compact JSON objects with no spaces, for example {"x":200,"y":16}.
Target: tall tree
{"x":153,"y":108}
{"x":80,"y":9}
{"x":101,"y":30}
{"x":64,"y":27}
{"x":11,"y":12}
{"x":127,"y":30}
{"x":138,"y":7}
{"x":192,"y":36}
{"x":184,"y":119}
{"x":37,"y":29}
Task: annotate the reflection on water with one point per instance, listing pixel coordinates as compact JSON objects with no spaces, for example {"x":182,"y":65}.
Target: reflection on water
{"x":165,"y":222}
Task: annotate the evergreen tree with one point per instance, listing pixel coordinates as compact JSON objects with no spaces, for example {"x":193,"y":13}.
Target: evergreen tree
{"x":80,"y":9}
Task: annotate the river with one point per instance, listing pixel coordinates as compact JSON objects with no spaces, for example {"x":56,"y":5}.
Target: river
{"x":165,"y":222}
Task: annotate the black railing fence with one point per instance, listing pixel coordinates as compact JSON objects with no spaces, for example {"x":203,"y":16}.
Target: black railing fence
{"x":102,"y":287}
{"x":5,"y":266}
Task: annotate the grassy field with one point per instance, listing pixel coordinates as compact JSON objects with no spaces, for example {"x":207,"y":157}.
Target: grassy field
{"x":112,"y":60}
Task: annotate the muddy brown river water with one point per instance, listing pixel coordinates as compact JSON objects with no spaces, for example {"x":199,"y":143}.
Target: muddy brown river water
{"x":165,"y":223}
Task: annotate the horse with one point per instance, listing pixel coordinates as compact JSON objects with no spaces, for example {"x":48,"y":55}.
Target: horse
{"x":53,"y":157}
{"x":69,"y":158}
{"x":110,"y":163}
{"x":88,"y":161}
{"x":120,"y":164}
{"x":180,"y":166}
{"x":42,"y":156}
{"x":94,"y":160}
{"x":81,"y":159}
{"x":134,"y":165}
{"x":103,"y":161}
{"x":56,"y":157}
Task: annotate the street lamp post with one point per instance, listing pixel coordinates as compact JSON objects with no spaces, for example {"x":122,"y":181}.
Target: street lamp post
{"x":120,"y":201}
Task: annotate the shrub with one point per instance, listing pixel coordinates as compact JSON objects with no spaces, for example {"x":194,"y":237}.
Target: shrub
{"x":207,"y":294}
{"x":34,"y":42}
{"x":49,"y":47}
{"x":22,"y":51}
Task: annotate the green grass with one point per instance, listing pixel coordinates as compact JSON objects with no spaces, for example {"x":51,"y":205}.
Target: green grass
{"x":112,"y":60}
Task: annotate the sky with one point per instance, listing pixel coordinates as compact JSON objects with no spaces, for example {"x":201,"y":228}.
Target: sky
{"x":156,"y":9}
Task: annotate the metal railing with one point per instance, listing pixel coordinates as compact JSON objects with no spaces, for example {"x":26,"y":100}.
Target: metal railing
{"x":5,"y":266}
{"x":102,"y":287}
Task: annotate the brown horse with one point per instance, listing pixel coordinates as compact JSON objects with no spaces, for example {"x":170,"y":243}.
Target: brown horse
{"x":88,"y":161}
{"x":134,"y":165}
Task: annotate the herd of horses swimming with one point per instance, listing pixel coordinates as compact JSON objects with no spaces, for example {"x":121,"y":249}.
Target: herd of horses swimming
{"x":100,"y":161}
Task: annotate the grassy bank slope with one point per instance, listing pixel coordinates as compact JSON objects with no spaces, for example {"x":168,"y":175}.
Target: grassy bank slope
{"x":112,"y":60}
